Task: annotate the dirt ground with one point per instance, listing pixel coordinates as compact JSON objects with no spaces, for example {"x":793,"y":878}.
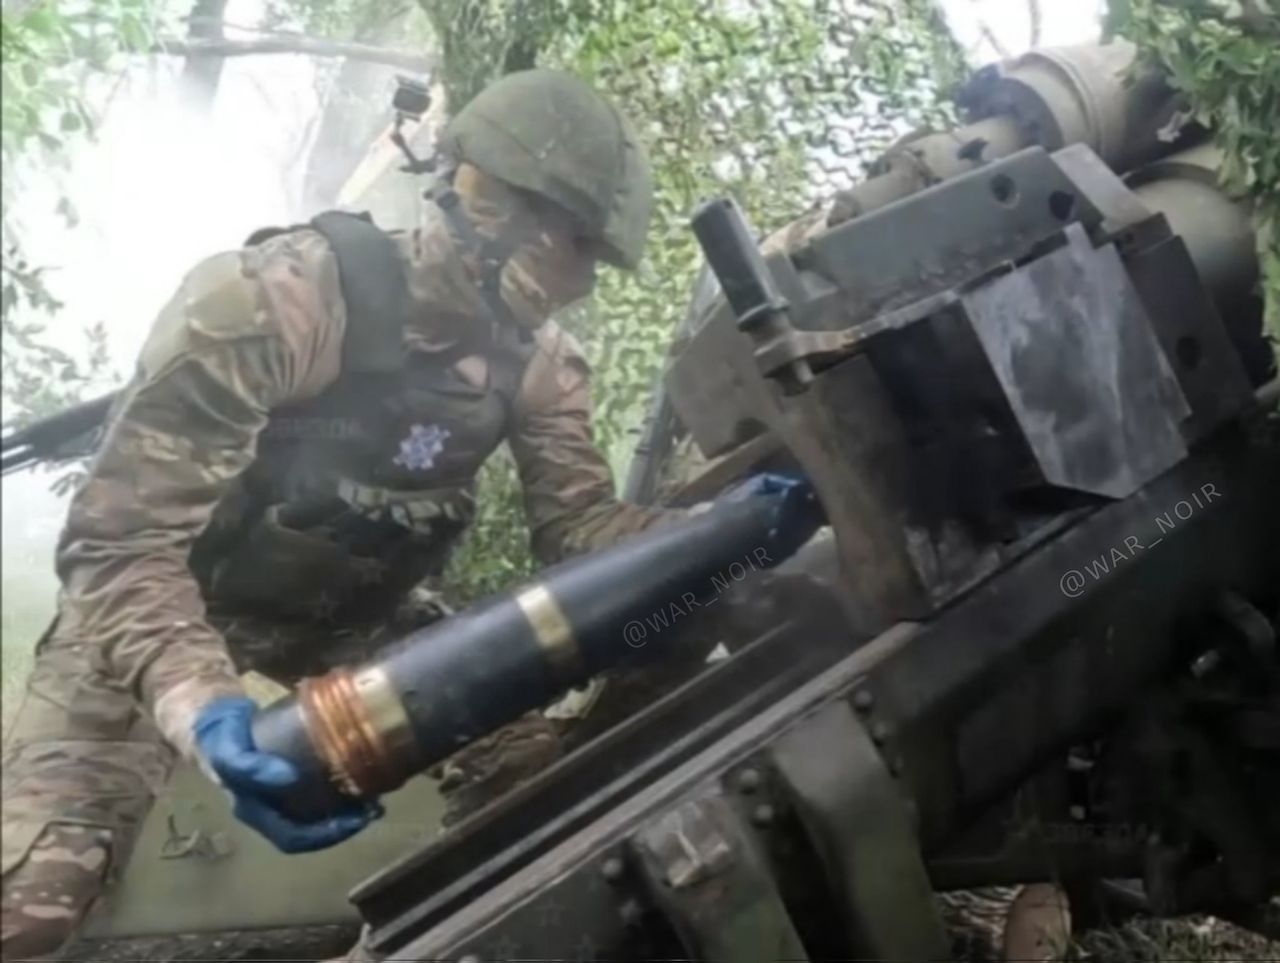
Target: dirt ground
{"x":975,"y":919}
{"x":1197,"y":939}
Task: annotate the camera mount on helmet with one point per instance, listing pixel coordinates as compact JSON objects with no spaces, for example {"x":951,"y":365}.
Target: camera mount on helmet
{"x":411,"y":100}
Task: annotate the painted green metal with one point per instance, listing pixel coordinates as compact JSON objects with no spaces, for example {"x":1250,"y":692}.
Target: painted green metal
{"x":857,"y":819}
{"x":227,"y":878}
{"x":714,"y":884}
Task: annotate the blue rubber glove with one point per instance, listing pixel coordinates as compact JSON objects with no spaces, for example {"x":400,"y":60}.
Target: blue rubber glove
{"x":225,"y":738}
{"x":798,"y":513}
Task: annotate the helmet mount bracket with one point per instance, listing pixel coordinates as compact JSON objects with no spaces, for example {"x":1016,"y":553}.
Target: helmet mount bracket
{"x":411,"y":100}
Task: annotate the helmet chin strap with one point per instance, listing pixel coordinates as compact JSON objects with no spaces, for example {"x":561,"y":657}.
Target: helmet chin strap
{"x":492,"y":253}
{"x":411,"y":101}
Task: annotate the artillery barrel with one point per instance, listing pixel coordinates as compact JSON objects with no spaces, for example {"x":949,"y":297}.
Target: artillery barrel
{"x":1047,"y":98}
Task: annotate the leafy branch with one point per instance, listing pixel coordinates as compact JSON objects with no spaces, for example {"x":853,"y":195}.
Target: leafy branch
{"x":1226,"y":58}
{"x":281,"y":42}
{"x":40,"y":378}
{"x":40,"y":92}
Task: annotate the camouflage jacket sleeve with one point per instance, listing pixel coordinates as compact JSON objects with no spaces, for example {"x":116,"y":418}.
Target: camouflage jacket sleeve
{"x":246,"y":332}
{"x":569,"y":495}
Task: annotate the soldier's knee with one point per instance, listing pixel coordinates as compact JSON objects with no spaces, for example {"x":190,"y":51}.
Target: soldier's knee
{"x":71,"y":810}
{"x":51,"y":879}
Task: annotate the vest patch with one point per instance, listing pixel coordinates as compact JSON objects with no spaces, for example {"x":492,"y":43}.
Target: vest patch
{"x":418,"y":450}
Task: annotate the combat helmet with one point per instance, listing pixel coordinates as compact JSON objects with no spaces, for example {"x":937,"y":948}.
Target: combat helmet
{"x":549,"y":133}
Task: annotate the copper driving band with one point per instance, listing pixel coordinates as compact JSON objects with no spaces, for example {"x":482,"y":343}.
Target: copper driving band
{"x":358,"y":727}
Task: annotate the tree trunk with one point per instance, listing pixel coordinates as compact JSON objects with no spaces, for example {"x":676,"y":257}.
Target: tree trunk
{"x":281,"y":42}
{"x":201,"y":73}
{"x":354,"y":113}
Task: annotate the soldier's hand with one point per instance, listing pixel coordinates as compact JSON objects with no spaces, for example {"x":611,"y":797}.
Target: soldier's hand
{"x":256,"y":780}
{"x":797,"y":515}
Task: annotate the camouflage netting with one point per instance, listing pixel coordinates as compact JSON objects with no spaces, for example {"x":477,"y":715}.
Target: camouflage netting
{"x":777,"y":102}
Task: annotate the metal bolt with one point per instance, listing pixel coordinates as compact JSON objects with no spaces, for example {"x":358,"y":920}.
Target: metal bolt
{"x":611,"y":868}
{"x":863,"y":700}
{"x":1206,"y":663}
{"x":749,"y":780}
{"x":762,"y":815}
{"x":879,"y":733}
{"x":631,"y":912}
{"x":1077,"y":761}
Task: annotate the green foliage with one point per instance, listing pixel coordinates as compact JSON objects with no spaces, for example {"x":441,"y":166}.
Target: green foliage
{"x":777,"y":102}
{"x":44,"y":52}
{"x":39,"y":377}
{"x":494,"y":552}
{"x":1226,"y":57}
{"x":359,"y":20}
{"x":335,"y":19}
{"x":47,"y":51}
{"x":480,"y":40}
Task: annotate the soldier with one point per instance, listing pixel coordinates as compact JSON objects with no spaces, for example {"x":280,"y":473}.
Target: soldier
{"x":294,"y":454}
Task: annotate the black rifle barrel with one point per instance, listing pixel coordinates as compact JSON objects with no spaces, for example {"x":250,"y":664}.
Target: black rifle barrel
{"x":360,"y":732}
{"x":42,"y":439}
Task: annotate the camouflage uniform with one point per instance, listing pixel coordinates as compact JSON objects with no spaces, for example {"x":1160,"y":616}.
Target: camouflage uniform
{"x":263,"y":491}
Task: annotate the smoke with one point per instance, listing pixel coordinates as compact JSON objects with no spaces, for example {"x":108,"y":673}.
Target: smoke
{"x":159,"y":188}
